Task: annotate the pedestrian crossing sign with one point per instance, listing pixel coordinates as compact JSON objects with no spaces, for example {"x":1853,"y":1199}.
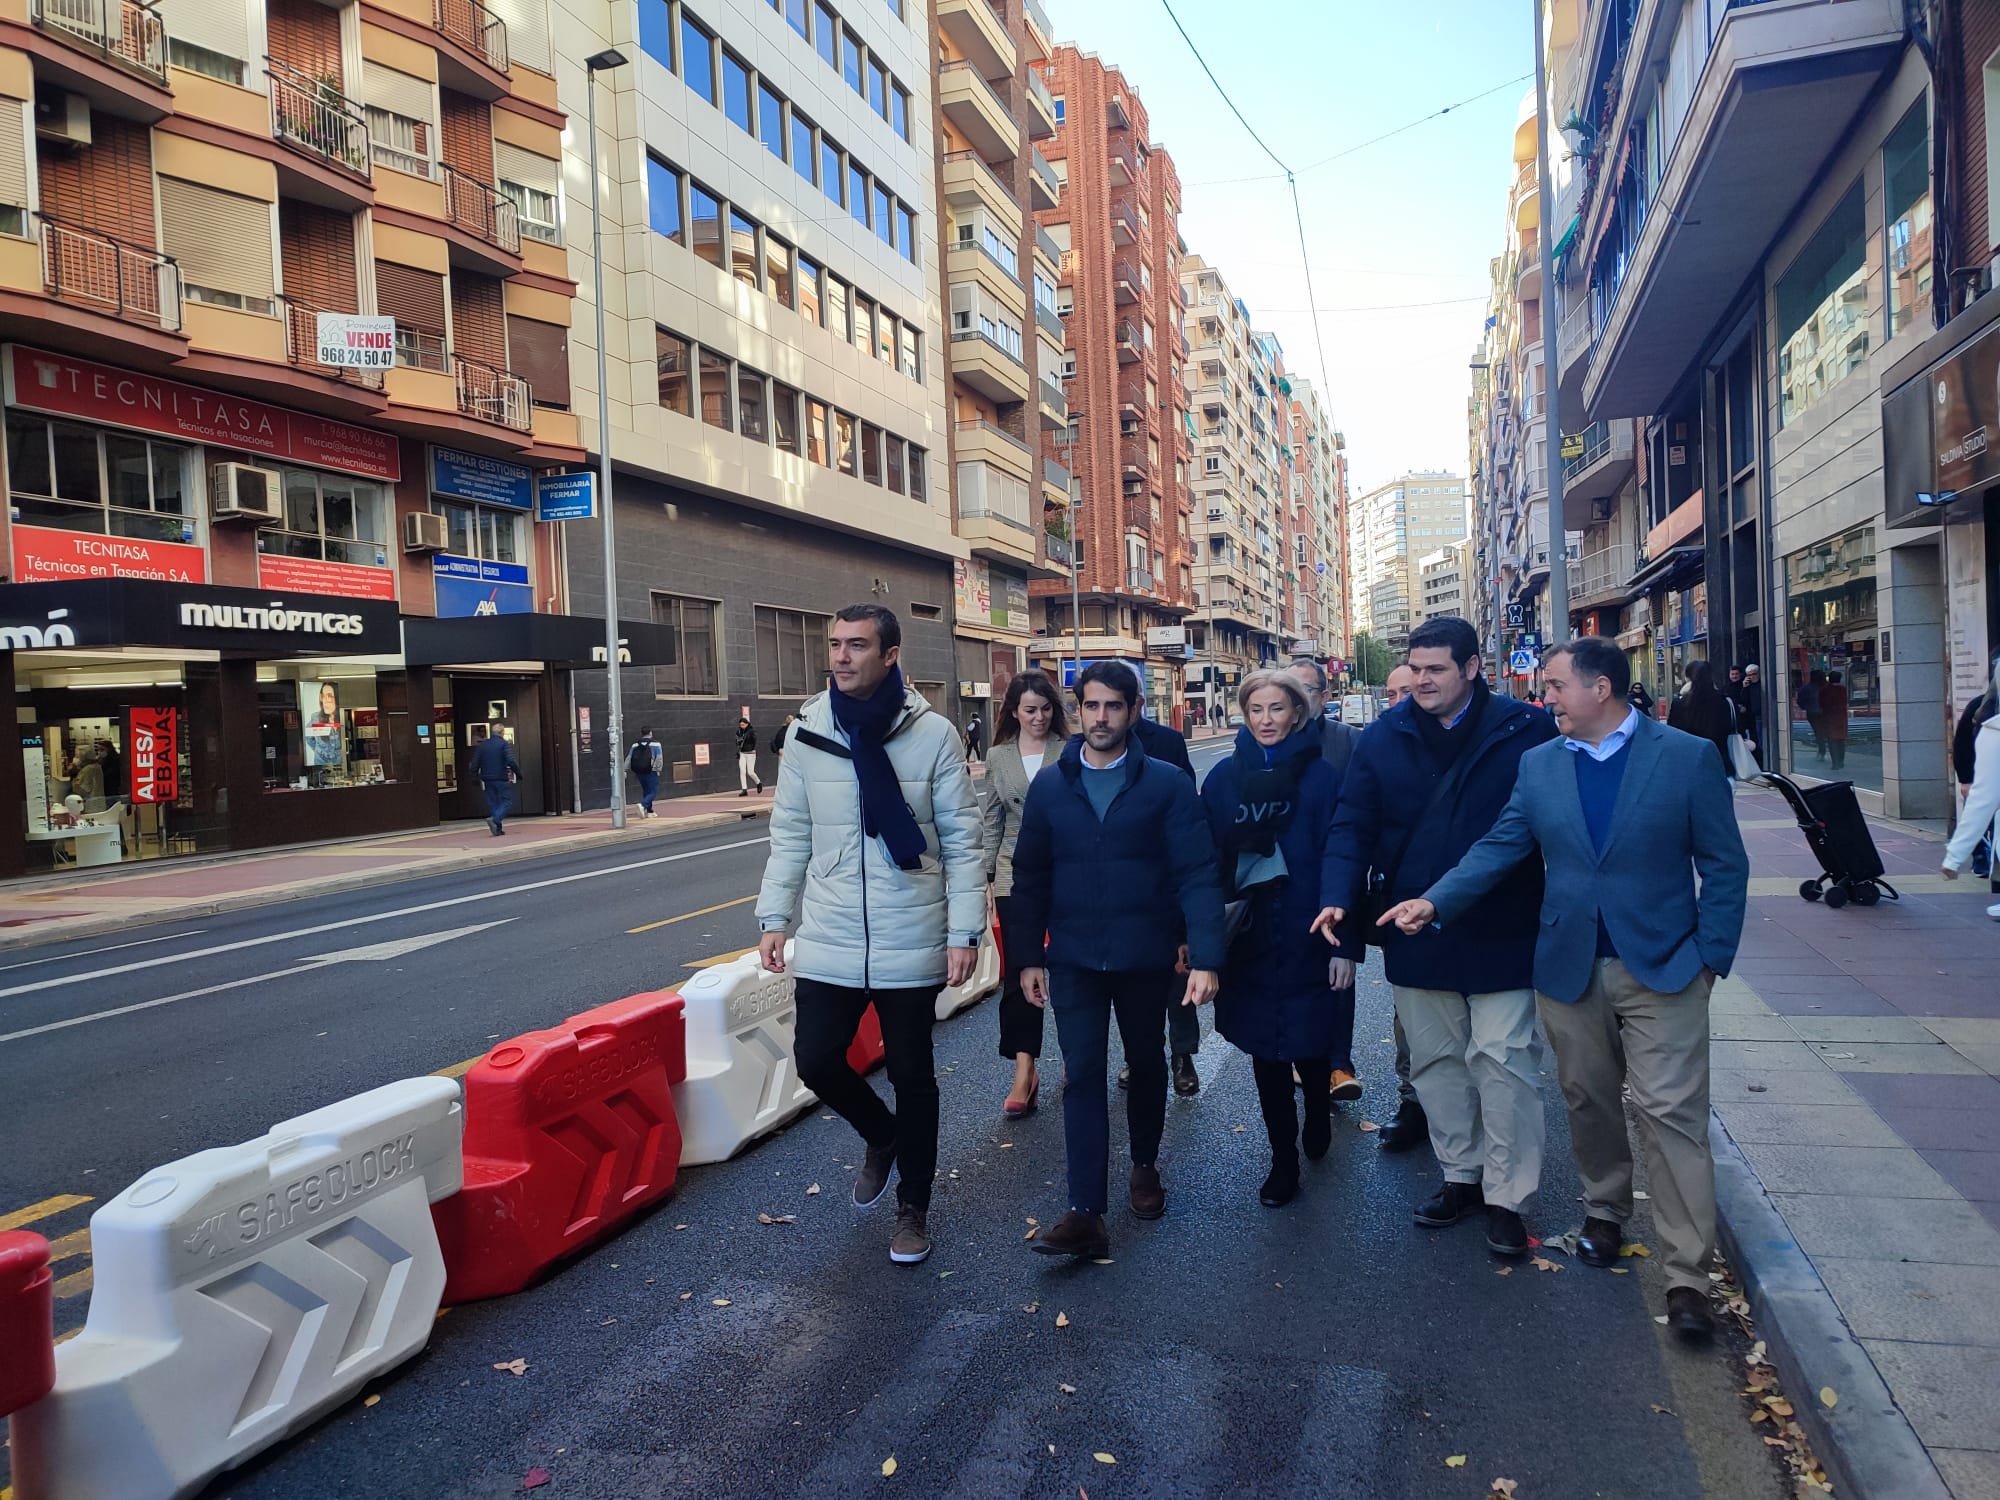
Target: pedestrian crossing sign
{"x":1522,"y":663}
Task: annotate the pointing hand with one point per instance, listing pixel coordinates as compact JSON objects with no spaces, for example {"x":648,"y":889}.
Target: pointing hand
{"x":1329,"y":918}
{"x":1411,"y":917}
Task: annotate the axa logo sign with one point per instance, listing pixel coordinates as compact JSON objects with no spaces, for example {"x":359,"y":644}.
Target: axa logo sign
{"x":42,"y":636}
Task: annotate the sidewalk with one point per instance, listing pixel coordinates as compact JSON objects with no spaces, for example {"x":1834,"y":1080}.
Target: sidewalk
{"x":84,"y":903}
{"x":1854,"y":1059}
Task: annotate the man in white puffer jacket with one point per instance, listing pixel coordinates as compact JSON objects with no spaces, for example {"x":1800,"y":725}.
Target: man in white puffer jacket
{"x":875,"y":846}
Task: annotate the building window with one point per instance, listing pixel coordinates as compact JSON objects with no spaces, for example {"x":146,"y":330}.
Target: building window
{"x":329,"y":516}
{"x":1906,"y":176}
{"x":878,"y":88}
{"x":663,"y":201}
{"x":694,"y":673}
{"x":670,"y":356}
{"x":864,"y":324}
{"x":770,"y":120}
{"x":885,"y":337}
{"x":919,"y":484}
{"x":743,"y":249}
{"x":785,"y":409}
{"x":750,"y":404}
{"x":1059,"y":109}
{"x":885,"y":224}
{"x":697,"y":58}
{"x":791,"y":652}
{"x":912,"y":353}
{"x":204,"y":60}
{"x":778,"y":268}
{"x":805,"y":160}
{"x":1822,"y":306}
{"x":399,"y":142}
{"x":816,"y":441}
{"x":809,"y":303}
{"x":850,"y":65}
{"x":906,"y":232}
{"x":843,"y":443}
{"x":795,"y":14}
{"x":535,"y":210}
{"x":826,"y":35}
{"x":837,"y":307}
{"x":105,"y":483}
{"x":715,"y":391}
{"x":481,"y":531}
{"x":857,"y":192}
{"x":830,"y":176}
{"x":1834,"y":694}
{"x":899,"y":111}
{"x":736,"y":90}
{"x":705,"y":210}
{"x":894,"y":451}
{"x":871,"y":453}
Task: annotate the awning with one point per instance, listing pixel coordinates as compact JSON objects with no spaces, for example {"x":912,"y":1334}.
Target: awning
{"x":1668,"y":567}
{"x":274,"y":625}
{"x":557,"y":640}
{"x":1568,"y":237}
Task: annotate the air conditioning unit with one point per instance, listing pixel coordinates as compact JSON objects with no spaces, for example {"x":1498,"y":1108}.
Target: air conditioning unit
{"x":62,"y":116}
{"x":246,"y":492}
{"x":423,"y":532}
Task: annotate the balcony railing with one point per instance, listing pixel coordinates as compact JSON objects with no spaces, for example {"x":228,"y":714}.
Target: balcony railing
{"x":1596,"y":444}
{"x":94,"y":270}
{"x":479,"y":209}
{"x":1039,"y":16}
{"x":1039,"y":89}
{"x":492,"y":395}
{"x":1598,"y":573}
{"x":1139,"y":580}
{"x":970,"y":335}
{"x":1045,"y":242}
{"x":474,"y":28}
{"x":313,"y":116}
{"x":980,"y":424}
{"x":302,"y":344}
{"x":1575,"y":335}
{"x":1055,"y":474}
{"x":120,"y":31}
{"x":1054,"y":399}
{"x":1061,"y":550}
{"x":986,"y":172}
{"x":1049,"y":323}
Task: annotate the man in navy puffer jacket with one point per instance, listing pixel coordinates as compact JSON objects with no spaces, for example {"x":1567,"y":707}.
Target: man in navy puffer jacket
{"x":1112,"y":844}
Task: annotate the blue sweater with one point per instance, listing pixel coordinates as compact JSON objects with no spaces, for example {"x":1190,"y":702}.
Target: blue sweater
{"x":1597,"y":783}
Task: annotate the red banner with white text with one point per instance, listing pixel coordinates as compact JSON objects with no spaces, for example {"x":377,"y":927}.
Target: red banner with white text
{"x":152,"y":741}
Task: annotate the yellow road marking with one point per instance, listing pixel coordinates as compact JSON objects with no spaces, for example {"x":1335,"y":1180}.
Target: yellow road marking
{"x":459,"y":1069}
{"x":70,"y":1244}
{"x":76,"y":1285}
{"x":61,"y":1338}
{"x":669,"y":921}
{"x":48,"y":1208}
{"x":720,"y":958}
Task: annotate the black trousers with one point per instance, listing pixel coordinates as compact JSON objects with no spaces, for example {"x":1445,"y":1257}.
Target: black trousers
{"x":1274,"y":1097}
{"x":1020,"y":1022}
{"x":828,"y":1017}
{"x":1085,"y":1000}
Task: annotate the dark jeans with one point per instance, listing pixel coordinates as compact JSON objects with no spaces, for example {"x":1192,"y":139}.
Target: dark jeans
{"x":828,"y":1017}
{"x":1084,"y":1001}
{"x":649,"y":788}
{"x":1343,"y":1029}
{"x":1183,"y":1021}
{"x":1020,"y":1022}
{"x":499,"y":800}
{"x":1274,"y":1097}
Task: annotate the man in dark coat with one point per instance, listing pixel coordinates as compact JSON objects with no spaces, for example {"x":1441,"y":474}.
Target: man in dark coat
{"x":1427,"y":782}
{"x":492,"y":761}
{"x":1113,"y":863}
{"x":1163,"y":742}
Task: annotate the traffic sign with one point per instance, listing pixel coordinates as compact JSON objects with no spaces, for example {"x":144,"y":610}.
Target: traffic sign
{"x":1531,"y":640}
{"x":1522,"y":663}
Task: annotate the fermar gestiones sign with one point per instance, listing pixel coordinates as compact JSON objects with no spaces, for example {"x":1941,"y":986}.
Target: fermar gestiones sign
{"x":152,"y":740}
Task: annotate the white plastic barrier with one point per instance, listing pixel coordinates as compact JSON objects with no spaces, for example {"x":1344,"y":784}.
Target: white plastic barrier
{"x":985,"y":981}
{"x":243,"y":1291}
{"x":742,"y":1075}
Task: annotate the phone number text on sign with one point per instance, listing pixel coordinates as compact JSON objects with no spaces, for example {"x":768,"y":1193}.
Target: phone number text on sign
{"x":357,"y":342}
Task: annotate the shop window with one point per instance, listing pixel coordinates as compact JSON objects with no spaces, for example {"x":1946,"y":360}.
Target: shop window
{"x":670,"y":355}
{"x":1906,"y":174}
{"x":1822,"y":305}
{"x":485,"y":532}
{"x":694,"y":673}
{"x":322,"y":726}
{"x":1833,"y":691}
{"x":791,"y":652}
{"x":329,"y":516}
{"x":86,"y":479}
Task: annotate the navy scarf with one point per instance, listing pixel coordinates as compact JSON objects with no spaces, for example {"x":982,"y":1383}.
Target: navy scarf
{"x":866,"y":722}
{"x":1267,"y":787}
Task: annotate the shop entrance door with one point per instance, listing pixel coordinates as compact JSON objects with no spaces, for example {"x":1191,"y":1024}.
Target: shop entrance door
{"x":474,"y":701}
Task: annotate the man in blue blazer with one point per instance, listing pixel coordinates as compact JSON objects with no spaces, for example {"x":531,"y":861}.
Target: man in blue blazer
{"x":1625,"y":813}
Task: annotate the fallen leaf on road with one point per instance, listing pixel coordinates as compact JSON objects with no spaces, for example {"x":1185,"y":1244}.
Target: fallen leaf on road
{"x":1639,"y":1250}
{"x":1062,"y":1320}
{"x":678,"y":1227}
{"x":719,"y":1302}
{"x":1663,"y":1410}
{"x":1032,"y":1232}
{"x":371,"y":1401}
{"x":888,"y":1466}
{"x":943,"y":1274}
{"x":1504,"y":1271}
{"x":1828,"y":1396}
{"x":513,"y":1366}
{"x":1779,"y":1405}
{"x":607,"y":1322}
{"x":1771,"y":1442}
{"x":777,"y":1219}
{"x":1104,"y":1458}
{"x":1540,"y":1263}
{"x":1456,"y":1461}
{"x":1236,"y":1130}
{"x":813,"y":1191}
{"x":1368,"y":1126}
{"x":686,"y":1295}
{"x":1621,"y":1270}
{"x":1067,"y":1390}
{"x":1006,"y":1145}
{"x":1031,"y":1307}
{"x":1101,"y":1261}
{"x":534,"y":1479}
{"x":1503,"y":1489}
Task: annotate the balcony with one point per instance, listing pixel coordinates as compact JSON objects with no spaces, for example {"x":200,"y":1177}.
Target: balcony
{"x":979,"y":440}
{"x":1118,"y":169}
{"x":969,"y":180}
{"x":1041,"y":108}
{"x":1056,"y":477}
{"x":1128,"y":344}
{"x":490,"y":231}
{"x":302,"y":345}
{"x":489,"y":395}
{"x":979,"y":35}
{"x":1576,"y":337}
{"x":109,"y":276}
{"x":1600,"y":577}
{"x":976,"y":112}
{"x":1047,"y":322}
{"x":1043,"y":188}
{"x":474,"y":60}
{"x":127,"y":35}
{"x":983,"y":364}
{"x":1124,"y":229}
{"x":1061,"y":551}
{"x":1527,"y":197}
{"x":1124,"y":285}
{"x":1783,"y":83}
{"x":1139,"y":580}
{"x":316,"y":120}
{"x":1046,"y":247}
{"x":1595,"y":475}
{"x":1116,"y":117}
{"x":1053,"y":406}
{"x":1041,"y":35}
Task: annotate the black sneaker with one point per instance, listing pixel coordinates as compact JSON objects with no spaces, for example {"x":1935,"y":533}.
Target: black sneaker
{"x":1409,"y":1130}
{"x":1186,"y":1080}
{"x":1599,"y":1242}
{"x":872,"y":1181}
{"x":1449,"y":1204}
{"x":1688,"y":1314}
{"x":1505,"y":1233}
{"x":1282,"y":1186}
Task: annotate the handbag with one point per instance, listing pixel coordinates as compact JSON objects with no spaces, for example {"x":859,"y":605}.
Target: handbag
{"x":1375,"y":900}
{"x":1742,"y":764}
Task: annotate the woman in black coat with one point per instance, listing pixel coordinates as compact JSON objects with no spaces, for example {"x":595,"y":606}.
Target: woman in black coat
{"x":1270,"y":806}
{"x":1701,"y":710}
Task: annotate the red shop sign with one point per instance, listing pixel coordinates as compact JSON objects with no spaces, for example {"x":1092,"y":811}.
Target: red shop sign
{"x":154,"y":735}
{"x":66,"y":387}
{"x":42,"y":555}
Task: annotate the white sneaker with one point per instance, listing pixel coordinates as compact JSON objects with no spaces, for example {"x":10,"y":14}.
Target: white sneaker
{"x":1993,"y":911}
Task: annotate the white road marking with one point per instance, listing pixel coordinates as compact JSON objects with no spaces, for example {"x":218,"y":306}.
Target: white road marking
{"x":386,"y":916}
{"x":109,"y":948}
{"x":375,"y":953}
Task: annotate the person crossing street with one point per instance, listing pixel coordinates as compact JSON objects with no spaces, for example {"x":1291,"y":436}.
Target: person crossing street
{"x":746,"y":759}
{"x":492,"y":762}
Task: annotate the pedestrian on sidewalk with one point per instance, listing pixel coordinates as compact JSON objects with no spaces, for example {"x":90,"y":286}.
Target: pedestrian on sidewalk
{"x":1428,"y":781}
{"x":1029,"y":733}
{"x":874,"y":782}
{"x":1640,"y":699}
{"x":1410,"y":1128}
{"x":778,"y":740}
{"x":644,"y":762}
{"x":1113,"y":845}
{"x":1270,"y":808}
{"x":975,"y":739}
{"x":1807,"y":699}
{"x":1982,"y":798}
{"x":1336,"y":745}
{"x":1750,"y":710}
{"x":746,"y":759}
{"x":1965,"y":764}
{"x":1833,"y":702}
{"x":492,"y":761}
{"x":1621,"y":815}
{"x":1703,"y":711}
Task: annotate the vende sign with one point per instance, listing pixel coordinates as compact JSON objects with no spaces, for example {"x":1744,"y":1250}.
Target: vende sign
{"x":43,"y":555}
{"x":357,"y":342}
{"x":66,"y":387}
{"x":154,"y":735}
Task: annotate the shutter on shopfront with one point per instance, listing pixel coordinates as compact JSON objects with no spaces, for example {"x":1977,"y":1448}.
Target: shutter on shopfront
{"x":414,"y":298}
{"x":540,"y":356}
{"x":13,"y":154}
{"x":215,"y":25}
{"x":222,"y":240}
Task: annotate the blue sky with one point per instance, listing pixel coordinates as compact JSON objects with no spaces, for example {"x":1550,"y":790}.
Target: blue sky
{"x":1415,"y":219}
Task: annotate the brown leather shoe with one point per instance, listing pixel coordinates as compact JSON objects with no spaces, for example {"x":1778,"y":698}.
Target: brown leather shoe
{"x":1079,"y":1234}
{"x":1149,"y":1198}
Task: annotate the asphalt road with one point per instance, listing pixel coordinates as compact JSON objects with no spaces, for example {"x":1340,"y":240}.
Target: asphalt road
{"x":1330,"y":1348}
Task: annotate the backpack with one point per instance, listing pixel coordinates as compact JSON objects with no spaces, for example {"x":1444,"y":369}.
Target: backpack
{"x":640,"y":761}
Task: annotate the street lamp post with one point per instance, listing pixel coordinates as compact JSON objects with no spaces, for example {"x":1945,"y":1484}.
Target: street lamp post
{"x":1558,"y":533}
{"x":610,"y":57}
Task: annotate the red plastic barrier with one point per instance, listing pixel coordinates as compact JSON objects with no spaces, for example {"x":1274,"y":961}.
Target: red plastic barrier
{"x":27,"y":1320}
{"x":569,"y":1133}
{"x":865,"y":1054}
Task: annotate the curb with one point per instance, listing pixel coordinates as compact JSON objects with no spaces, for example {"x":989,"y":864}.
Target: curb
{"x":1865,"y":1443}
{"x":98,"y":926}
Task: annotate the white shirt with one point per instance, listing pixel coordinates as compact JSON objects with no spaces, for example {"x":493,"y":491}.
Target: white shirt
{"x":1612,"y":743}
{"x":1089,"y":766}
{"x":1032,"y":763}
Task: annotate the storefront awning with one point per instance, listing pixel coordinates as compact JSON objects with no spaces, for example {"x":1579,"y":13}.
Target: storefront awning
{"x":557,"y":640}
{"x":1667,"y":568}
{"x":86,"y":612}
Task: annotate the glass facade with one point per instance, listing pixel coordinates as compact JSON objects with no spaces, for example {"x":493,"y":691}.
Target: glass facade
{"x":1833,"y":682}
